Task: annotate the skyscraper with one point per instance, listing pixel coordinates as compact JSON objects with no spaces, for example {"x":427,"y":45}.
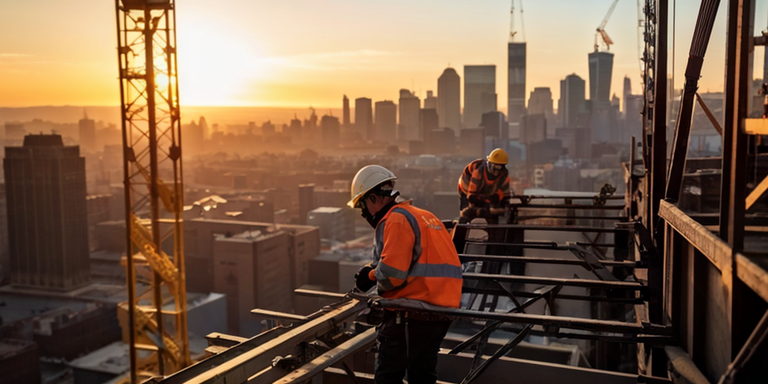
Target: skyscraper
{"x":431,"y":101}
{"x":572,"y":103}
{"x":479,"y":93}
{"x":386,"y":121}
{"x":330,"y":130}
{"x":87,"y":128}
{"x":449,"y":99}
{"x":47,"y":220}
{"x":409,"y":107}
{"x":516,"y":81}
{"x":540,"y":102}
{"x":600,"y":72}
{"x":345,"y":113}
{"x":364,"y":118}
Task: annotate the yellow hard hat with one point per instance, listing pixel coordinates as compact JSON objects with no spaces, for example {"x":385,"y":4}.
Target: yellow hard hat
{"x":366,"y":179}
{"x":498,"y":156}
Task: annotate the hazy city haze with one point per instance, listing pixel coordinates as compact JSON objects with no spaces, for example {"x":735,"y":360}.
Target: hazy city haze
{"x":301,"y":53}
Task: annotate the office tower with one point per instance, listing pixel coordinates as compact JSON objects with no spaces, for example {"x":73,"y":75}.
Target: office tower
{"x":600,"y":72}
{"x":495,"y":125}
{"x":533,"y":128}
{"x":430,"y":102}
{"x":516,"y":81}
{"x":479,"y":93}
{"x":253,"y":269}
{"x":204,"y":126}
{"x":472,"y":142}
{"x":540,"y":102}
{"x":449,"y":99}
{"x":330,"y":128}
{"x":364,"y":118}
{"x":306,"y":201}
{"x":386,"y":121}
{"x":571,"y":104}
{"x":428,"y":122}
{"x":409,"y":107}
{"x":627,"y":91}
{"x":47,"y":219}
{"x":87,"y":129}
{"x":294,"y":130}
{"x":345,"y":113}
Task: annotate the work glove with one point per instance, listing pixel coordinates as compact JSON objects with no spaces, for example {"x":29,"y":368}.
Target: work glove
{"x":362,"y":282}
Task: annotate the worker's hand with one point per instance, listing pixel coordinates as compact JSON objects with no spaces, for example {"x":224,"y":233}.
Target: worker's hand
{"x":482,"y":212}
{"x":496,"y":211}
{"x":467,"y":213}
{"x":362,"y":282}
{"x":495,"y":199}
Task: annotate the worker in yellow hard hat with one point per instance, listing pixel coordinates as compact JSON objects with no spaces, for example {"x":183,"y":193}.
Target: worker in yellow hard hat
{"x":484,"y":188}
{"x":414,"y":259}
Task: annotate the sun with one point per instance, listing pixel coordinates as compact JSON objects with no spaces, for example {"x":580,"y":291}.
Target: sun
{"x":215,"y":69}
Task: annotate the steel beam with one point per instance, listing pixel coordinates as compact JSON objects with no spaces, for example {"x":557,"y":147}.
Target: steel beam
{"x":699,"y":43}
{"x":240,"y":365}
{"x":594,"y":284}
{"x":316,"y":366}
{"x":609,"y":326}
{"x":464,"y":257}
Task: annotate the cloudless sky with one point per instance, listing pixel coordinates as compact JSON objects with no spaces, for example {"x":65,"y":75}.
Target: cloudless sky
{"x":301,"y":52}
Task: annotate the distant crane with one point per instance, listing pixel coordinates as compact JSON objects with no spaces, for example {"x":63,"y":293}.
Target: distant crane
{"x":512,"y":31}
{"x":601,"y":29}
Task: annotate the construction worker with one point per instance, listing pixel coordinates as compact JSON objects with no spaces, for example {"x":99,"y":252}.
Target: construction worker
{"x":413,"y":259}
{"x":484,"y":188}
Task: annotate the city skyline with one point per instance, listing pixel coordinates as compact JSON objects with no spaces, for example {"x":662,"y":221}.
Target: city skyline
{"x":291,"y":57}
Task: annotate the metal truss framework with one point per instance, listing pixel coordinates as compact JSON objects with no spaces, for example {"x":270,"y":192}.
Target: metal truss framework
{"x":156,"y":308}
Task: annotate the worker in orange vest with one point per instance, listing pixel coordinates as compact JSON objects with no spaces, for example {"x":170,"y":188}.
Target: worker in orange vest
{"x":484,"y":188}
{"x":413,"y":259}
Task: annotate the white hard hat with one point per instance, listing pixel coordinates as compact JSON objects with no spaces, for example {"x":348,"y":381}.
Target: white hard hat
{"x":366,"y":179}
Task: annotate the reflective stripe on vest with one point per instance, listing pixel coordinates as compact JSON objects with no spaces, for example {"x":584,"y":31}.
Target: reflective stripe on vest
{"x":416,"y":269}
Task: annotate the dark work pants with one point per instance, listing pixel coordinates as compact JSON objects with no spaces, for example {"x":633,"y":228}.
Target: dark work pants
{"x":408,"y":345}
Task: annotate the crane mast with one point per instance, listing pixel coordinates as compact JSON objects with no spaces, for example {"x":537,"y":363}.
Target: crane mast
{"x":601,"y":29}
{"x":153,"y":318}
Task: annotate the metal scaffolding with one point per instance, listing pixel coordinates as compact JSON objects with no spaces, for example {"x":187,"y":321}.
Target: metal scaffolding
{"x":154,"y":317}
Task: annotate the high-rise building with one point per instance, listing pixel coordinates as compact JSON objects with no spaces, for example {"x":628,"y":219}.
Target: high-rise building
{"x":449,"y":99}
{"x":600,"y":72}
{"x":330,"y":128}
{"x":428,"y":122}
{"x":253,"y":270}
{"x":386,"y":121}
{"x":409,"y":107}
{"x":572,"y":103}
{"x":306,"y":201}
{"x":345,"y":113}
{"x":87,"y":128}
{"x":540,"y":102}
{"x":495,"y":125}
{"x":626,"y":92}
{"x":364,"y":118}
{"x":47,"y":219}
{"x":516,"y":81}
{"x":431,"y":101}
{"x":533,"y":128}
{"x":479,"y":93}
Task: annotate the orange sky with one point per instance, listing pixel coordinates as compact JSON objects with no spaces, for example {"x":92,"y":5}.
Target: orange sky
{"x":300,"y":53}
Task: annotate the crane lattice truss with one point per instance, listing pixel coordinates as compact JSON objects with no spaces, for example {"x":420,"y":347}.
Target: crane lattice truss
{"x":156,"y":308}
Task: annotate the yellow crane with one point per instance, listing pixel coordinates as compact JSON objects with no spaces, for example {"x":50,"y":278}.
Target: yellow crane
{"x":154,"y":317}
{"x":606,"y":40}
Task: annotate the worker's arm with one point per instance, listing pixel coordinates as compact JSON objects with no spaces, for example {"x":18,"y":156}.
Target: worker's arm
{"x":396,"y":253}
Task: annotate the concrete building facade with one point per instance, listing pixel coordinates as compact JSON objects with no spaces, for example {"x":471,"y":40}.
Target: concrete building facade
{"x":449,"y":99}
{"x":47,"y":215}
{"x":479,"y":93}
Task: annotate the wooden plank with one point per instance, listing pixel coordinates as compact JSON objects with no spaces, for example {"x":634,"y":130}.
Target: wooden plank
{"x":712,"y":247}
{"x":753,"y":275}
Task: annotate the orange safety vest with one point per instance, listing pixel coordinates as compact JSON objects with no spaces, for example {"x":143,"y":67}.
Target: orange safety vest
{"x":474,"y":181}
{"x":414,"y":258}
